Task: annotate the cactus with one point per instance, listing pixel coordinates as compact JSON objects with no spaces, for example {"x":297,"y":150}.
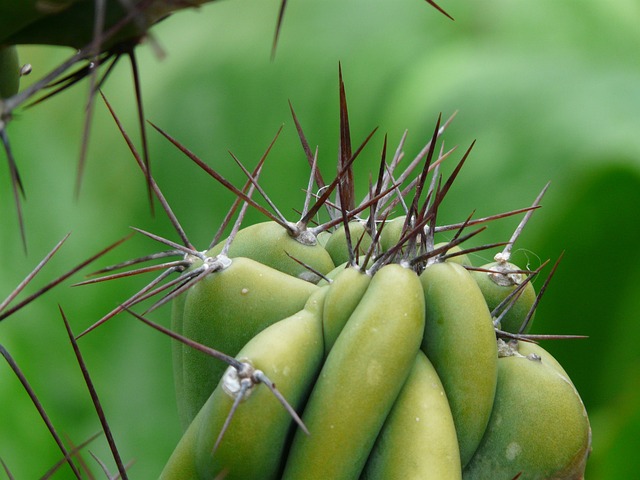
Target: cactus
{"x":369,"y":317}
{"x":277,"y":377}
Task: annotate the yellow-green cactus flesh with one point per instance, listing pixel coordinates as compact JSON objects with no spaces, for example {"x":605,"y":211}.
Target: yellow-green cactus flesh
{"x":538,"y":429}
{"x":337,"y":247}
{"x":271,"y":244}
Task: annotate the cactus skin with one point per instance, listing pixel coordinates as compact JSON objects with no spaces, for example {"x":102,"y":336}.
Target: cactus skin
{"x":290,"y":353}
{"x":343,"y":296}
{"x":360,"y":379}
{"x":269,"y":243}
{"x":336,"y":245}
{"x":460,"y":342}
{"x":538,"y":426}
{"x":418,"y":440}
{"x":224,"y":311}
{"x":391,"y":232}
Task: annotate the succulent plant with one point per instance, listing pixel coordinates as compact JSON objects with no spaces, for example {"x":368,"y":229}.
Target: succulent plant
{"x":356,"y":343}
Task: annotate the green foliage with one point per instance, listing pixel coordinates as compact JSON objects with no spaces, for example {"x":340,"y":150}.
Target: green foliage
{"x":549,"y":89}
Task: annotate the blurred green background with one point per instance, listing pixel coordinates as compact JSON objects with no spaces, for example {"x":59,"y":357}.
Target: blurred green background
{"x":550,"y":90}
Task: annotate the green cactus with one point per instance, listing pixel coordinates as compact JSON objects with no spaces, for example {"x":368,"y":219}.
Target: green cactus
{"x":340,"y":372}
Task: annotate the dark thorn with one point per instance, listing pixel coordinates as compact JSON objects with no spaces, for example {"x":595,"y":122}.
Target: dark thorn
{"x":142,"y":164}
{"x":375,"y":241}
{"x":455,"y":172}
{"x":462,"y":227}
{"x":141,"y":124}
{"x":260,"y":375}
{"x":16,"y":183}
{"x":347,"y":183}
{"x":33,"y":273}
{"x":342,"y":194}
{"x":373,"y":207}
{"x":425,"y":168}
{"x":219,"y":177}
{"x":441,"y":10}
{"x":397,"y":157}
{"x":188,"y":342}
{"x":391,"y":253}
{"x":308,"y":267}
{"x":543,"y":289}
{"x":437,"y":251}
{"x":251,"y":178}
{"x":307,"y":150}
{"x":72,"y":78}
{"x":245,"y":384}
{"x":81,"y":55}
{"x":247,"y":188}
{"x":465,"y":251}
{"x":329,"y":189}
{"x":177,"y":246}
{"x":40,"y":408}
{"x":152,"y":268}
{"x":353,"y":213}
{"x":94,"y":398}
{"x":6,"y":470}
{"x":131,"y":301}
{"x":283,"y":6}
{"x":135,"y":261}
{"x":73,"y":452}
{"x":422,"y":154}
{"x":513,"y":296}
{"x":61,"y":279}
{"x":490,"y":218}
{"x":94,"y":65}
